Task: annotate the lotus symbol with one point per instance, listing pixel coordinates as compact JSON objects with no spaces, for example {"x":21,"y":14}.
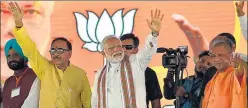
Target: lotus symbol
{"x":93,"y":29}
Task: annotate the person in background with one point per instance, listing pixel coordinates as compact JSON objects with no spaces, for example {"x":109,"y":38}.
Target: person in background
{"x":21,"y":90}
{"x":189,"y":92}
{"x":1,"y":99}
{"x":62,"y":83}
{"x":153,"y":93}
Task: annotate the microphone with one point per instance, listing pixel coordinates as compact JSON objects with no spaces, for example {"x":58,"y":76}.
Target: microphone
{"x":161,"y":50}
{"x":168,"y":51}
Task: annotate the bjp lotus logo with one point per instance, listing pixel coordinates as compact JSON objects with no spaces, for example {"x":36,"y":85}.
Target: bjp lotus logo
{"x":93,"y":29}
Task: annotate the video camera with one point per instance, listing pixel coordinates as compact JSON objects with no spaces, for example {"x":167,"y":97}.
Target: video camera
{"x":174,"y":58}
{"x":176,"y":61}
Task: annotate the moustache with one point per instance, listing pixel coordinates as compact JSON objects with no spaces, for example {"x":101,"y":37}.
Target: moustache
{"x":116,"y":53}
{"x":56,"y":57}
{"x":11,"y":62}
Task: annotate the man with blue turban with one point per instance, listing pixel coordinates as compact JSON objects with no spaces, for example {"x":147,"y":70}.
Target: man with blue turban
{"x":20,"y":90}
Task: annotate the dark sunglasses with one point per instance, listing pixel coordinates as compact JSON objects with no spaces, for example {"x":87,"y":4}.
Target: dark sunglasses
{"x":128,"y":47}
{"x":58,"y":50}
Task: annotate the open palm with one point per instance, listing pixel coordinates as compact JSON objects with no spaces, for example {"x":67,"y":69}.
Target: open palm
{"x":194,"y":35}
{"x":239,"y":8}
{"x":16,"y":12}
{"x":155,"y":23}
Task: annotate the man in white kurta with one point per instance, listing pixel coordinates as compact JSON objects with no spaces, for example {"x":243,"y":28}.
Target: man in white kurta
{"x":243,"y":24}
{"x":114,"y":53}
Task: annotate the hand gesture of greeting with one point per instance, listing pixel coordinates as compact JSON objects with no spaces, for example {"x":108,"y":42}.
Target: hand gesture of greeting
{"x":239,"y":65}
{"x":236,"y":60}
{"x":155,"y":22}
{"x":17,"y":13}
{"x":196,"y":39}
{"x":239,"y":8}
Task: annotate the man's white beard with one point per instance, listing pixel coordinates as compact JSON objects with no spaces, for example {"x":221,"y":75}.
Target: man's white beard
{"x":113,"y":59}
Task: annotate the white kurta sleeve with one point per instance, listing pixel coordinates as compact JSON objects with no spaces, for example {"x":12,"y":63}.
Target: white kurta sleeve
{"x":32,"y":101}
{"x":243,"y":25}
{"x":145,"y":54}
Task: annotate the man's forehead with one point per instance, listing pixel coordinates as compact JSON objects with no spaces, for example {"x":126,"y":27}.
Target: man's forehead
{"x":112,"y":44}
{"x":221,"y":37}
{"x":214,"y":49}
{"x":59,"y":44}
{"x":12,"y":51}
{"x":127,"y":41}
{"x":113,"y":41}
{"x":220,"y":49}
{"x":206,"y":57}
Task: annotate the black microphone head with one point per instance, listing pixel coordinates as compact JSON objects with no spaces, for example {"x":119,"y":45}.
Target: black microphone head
{"x":161,"y":50}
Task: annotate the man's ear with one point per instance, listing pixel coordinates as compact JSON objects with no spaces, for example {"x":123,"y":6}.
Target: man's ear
{"x":70,"y":53}
{"x":233,"y":48}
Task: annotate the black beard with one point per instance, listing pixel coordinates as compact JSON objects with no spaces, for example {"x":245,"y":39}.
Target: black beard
{"x":211,"y":72}
{"x":19,"y":65}
{"x":199,"y":74}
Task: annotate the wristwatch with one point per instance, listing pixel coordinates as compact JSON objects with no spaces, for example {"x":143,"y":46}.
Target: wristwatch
{"x":155,"y":34}
{"x":186,"y":95}
{"x":18,"y":27}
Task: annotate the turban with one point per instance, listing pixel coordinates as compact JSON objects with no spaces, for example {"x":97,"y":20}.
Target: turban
{"x":12,"y":44}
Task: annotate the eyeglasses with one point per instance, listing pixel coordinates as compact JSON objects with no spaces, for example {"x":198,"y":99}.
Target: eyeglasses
{"x":58,"y":50}
{"x":128,"y":47}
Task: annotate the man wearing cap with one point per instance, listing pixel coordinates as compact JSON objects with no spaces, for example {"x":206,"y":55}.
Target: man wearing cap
{"x":20,"y":90}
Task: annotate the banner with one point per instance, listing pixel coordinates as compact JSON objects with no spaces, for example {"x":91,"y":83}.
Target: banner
{"x":85,"y":23}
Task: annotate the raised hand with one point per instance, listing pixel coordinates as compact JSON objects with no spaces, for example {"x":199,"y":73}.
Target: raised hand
{"x":17,"y":13}
{"x":197,"y":41}
{"x":239,"y":65}
{"x":156,"y":20}
{"x":185,"y":25}
{"x":236,"y":61}
{"x":239,"y":8}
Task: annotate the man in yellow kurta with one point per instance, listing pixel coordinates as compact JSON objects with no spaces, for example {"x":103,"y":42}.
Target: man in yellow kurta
{"x":63,"y":85}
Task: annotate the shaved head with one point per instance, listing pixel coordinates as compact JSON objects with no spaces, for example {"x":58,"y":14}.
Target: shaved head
{"x":220,"y":41}
{"x":225,"y":45}
{"x":221,"y":53}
